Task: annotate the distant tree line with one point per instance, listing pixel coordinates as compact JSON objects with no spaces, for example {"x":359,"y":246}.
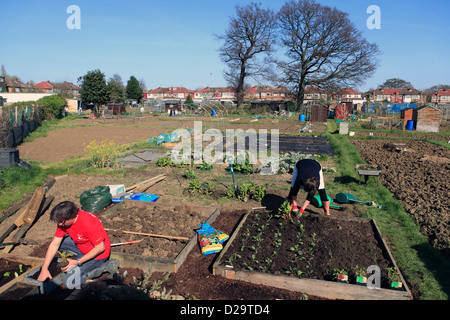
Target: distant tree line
{"x":97,"y":91}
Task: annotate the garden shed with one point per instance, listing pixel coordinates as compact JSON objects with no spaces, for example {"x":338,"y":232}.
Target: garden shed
{"x":427,"y":119}
{"x":319,"y":113}
{"x":407,"y":114}
{"x":117,"y":108}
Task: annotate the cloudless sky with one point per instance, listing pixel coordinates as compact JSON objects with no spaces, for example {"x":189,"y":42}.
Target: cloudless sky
{"x":172,"y":43}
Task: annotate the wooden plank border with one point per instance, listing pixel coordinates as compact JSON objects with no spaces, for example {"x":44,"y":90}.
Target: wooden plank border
{"x":33,"y":261}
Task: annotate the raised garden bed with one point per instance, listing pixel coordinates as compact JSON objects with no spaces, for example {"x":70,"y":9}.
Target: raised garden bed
{"x":304,"y":254}
{"x":164,"y":254}
{"x":20,"y":291}
{"x":47,"y":286}
{"x":14,"y":270}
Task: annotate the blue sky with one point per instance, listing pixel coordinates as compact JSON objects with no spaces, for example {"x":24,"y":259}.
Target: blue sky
{"x":172,"y":43}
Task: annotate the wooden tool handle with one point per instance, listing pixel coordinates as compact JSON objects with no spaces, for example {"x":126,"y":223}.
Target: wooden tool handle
{"x":150,"y":234}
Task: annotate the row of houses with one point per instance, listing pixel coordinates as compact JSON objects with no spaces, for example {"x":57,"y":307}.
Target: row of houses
{"x":281,"y":93}
{"x":270,"y":93}
{"x":15,"y":86}
{"x":407,"y":95}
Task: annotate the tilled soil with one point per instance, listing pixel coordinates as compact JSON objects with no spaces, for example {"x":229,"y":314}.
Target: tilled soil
{"x":418,"y":174}
{"x":168,"y":223}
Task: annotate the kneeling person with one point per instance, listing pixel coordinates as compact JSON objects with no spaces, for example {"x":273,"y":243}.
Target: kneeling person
{"x":80,"y":233}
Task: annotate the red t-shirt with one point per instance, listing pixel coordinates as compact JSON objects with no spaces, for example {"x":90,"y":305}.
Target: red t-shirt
{"x":87,"y":232}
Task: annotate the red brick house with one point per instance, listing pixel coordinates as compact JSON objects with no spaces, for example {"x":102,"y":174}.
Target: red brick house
{"x":215,"y":93}
{"x":441,"y":95}
{"x":397,"y":95}
{"x":44,"y":86}
{"x":15,"y":85}
{"x":314,"y":94}
{"x":385,"y":94}
{"x":170,"y":93}
{"x":269,"y":93}
{"x":407,"y":95}
{"x":347,"y":94}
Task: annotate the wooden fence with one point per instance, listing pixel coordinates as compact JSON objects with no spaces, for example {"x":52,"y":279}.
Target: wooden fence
{"x":16,"y":123}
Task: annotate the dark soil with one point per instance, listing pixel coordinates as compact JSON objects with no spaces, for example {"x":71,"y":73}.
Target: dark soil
{"x":9,"y":268}
{"x":310,"y":247}
{"x":54,"y":268}
{"x":195,"y":276}
{"x":16,"y":294}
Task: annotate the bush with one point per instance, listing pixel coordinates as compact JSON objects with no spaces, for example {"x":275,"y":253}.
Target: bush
{"x":104,"y":154}
{"x":52,"y":106}
{"x":165,"y":162}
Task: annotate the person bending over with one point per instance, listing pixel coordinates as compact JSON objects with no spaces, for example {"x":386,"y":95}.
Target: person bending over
{"x":308,"y":174}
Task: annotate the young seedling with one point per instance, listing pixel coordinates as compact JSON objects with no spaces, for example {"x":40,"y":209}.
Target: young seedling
{"x":65,"y":255}
{"x":360,"y":273}
{"x":394,"y":278}
{"x":340,"y":275}
{"x":285,"y":210}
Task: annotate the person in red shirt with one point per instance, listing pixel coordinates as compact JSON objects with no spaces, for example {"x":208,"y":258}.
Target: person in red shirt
{"x":80,"y":233}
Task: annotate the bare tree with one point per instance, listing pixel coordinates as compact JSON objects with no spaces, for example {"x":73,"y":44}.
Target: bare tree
{"x":248,"y":37}
{"x":323,"y":48}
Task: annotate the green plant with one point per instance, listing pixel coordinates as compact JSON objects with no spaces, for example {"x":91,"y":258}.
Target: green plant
{"x":52,"y":106}
{"x":208,"y":187}
{"x":247,"y":191}
{"x":392,"y":275}
{"x":243,"y":167}
{"x":230,"y":192}
{"x":190,"y":174}
{"x":284,"y":211}
{"x":339,"y":275}
{"x":259,"y":192}
{"x":205,"y":166}
{"x":149,"y":288}
{"x":194,"y":187}
{"x":64,"y":256}
{"x":164,"y":162}
{"x":243,"y":192}
{"x":360,"y":271}
{"x":104,"y":154}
